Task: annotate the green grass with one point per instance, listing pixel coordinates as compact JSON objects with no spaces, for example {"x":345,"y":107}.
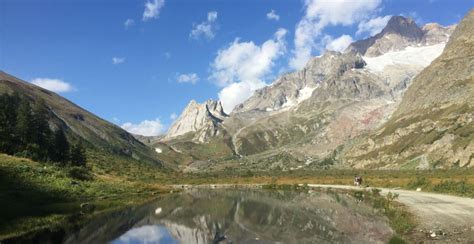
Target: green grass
{"x":103,"y":163}
{"x":215,"y":149}
{"x":460,"y":187}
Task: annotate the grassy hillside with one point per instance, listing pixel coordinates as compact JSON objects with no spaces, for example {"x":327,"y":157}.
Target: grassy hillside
{"x":79,"y":123}
{"x":182,"y":151}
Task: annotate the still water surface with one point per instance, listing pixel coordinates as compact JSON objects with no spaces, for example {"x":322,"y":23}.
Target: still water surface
{"x":241,"y":216}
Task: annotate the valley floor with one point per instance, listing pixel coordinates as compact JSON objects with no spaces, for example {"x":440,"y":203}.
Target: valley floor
{"x":458,"y":182}
{"x":35,"y":196}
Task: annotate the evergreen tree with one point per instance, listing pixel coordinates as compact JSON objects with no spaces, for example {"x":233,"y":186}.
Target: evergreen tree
{"x":59,"y":151}
{"x":41,"y":133}
{"x":25,"y":131}
{"x":24,"y":128}
{"x":8,"y":107}
{"x":78,"y":155}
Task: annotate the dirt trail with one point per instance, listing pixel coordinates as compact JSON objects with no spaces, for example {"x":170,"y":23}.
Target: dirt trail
{"x":449,"y":214}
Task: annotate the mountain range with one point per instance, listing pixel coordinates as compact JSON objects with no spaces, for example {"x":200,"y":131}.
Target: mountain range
{"x":326,"y":114}
{"x":399,"y":99}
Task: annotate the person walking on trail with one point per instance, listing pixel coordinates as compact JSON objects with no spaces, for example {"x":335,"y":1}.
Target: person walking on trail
{"x":358,"y":180}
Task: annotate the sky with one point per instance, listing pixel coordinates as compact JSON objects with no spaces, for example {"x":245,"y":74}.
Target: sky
{"x":138,"y":63}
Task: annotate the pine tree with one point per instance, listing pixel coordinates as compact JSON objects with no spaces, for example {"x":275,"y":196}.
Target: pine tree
{"x":41,"y":134}
{"x":78,"y":155}
{"x":25,"y":131}
{"x":59,"y":151}
{"x":24,"y":127}
{"x":8,"y":114}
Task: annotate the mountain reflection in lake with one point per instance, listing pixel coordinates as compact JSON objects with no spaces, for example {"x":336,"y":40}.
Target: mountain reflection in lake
{"x":242,"y":216}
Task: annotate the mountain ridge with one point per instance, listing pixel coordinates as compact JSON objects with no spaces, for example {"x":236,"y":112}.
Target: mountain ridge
{"x":399,"y":33}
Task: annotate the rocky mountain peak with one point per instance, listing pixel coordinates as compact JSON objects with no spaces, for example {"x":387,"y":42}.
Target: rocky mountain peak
{"x":192,"y":103}
{"x":293,"y":88}
{"x":203,"y":118}
{"x":400,"y":33}
{"x":215,"y":109}
{"x":404,"y":27}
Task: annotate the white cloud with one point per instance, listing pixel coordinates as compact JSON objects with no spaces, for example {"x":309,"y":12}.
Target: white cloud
{"x":145,"y":128}
{"x":187,"y":78}
{"x":173,"y":116}
{"x":128,"y":23}
{"x":54,"y":85}
{"x":372,"y":26}
{"x":237,"y":92}
{"x":241,"y":68}
{"x":339,"y":44}
{"x":212,"y":16}
{"x":152,"y":9}
{"x":117,"y":60}
{"x":205,"y":29}
{"x":320,"y":14}
{"x":273,"y":15}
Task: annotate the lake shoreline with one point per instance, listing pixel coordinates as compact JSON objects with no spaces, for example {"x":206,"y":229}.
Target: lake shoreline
{"x":433,"y":222}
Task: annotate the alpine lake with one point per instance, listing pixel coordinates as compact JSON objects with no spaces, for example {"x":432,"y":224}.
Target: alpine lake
{"x":223,"y":215}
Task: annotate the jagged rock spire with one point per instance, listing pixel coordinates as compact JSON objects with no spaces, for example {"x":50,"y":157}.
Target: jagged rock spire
{"x":202,"y":118}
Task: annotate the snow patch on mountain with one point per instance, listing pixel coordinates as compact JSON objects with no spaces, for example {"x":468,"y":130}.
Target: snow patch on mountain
{"x":288,"y":104}
{"x":303,"y":94}
{"x":421,"y":56}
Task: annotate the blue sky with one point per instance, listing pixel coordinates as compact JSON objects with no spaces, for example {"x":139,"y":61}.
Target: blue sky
{"x":138,"y":62}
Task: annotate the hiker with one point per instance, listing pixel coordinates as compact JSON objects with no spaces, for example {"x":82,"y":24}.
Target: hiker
{"x":357,"y":181}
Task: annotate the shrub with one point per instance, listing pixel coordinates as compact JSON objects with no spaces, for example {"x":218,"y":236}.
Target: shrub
{"x":451,"y":186}
{"x":396,"y":240}
{"x":376,"y":191}
{"x":80,"y":173}
{"x":418,"y":182}
{"x":400,"y":220}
